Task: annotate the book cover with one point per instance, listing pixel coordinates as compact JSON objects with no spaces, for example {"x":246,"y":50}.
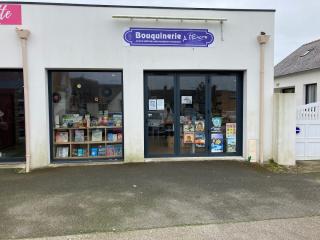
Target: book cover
{"x":80,"y":152}
{"x":119,"y":137}
{"x":110,"y":151}
{"x":188,"y":137}
{"x":101,"y":151}
{"x":118,"y":150}
{"x":94,"y":152}
{"x":110,"y":137}
{"x":216,"y":142}
{"x":188,"y":127}
{"x":200,"y":139}
{"x":62,"y":152}
{"x":62,"y":137}
{"x":231,"y":130}
{"x":231,"y":144}
{"x":115,"y":137}
{"x":199,"y":126}
{"x":79,"y":135}
{"x":96,"y":135}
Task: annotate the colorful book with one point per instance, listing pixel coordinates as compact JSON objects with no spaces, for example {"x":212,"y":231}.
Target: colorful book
{"x":80,"y":152}
{"x":119,"y":137}
{"x":96,"y":135}
{"x":200,"y":139}
{"x":110,"y":151}
{"x":62,"y":152}
{"x":216,"y":142}
{"x":101,"y":151}
{"x":188,"y":127}
{"x":62,"y":137}
{"x":118,"y":150}
{"x":110,"y":137}
{"x":188,"y":137}
{"x":79,"y":135}
{"x":199,"y":126}
{"x":94,"y":152}
{"x":231,"y":144}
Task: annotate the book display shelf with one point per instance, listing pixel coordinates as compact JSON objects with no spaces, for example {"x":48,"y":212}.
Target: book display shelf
{"x":84,"y":141}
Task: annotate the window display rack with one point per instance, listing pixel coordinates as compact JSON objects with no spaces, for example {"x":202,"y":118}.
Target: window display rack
{"x":100,"y":142}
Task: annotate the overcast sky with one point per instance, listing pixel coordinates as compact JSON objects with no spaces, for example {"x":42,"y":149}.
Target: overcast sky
{"x":297,"y":21}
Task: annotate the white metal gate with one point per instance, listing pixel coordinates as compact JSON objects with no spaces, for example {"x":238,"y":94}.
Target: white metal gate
{"x":308,"y":132}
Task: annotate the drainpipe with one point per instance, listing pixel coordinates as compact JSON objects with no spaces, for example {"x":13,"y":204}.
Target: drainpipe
{"x":23,"y":34}
{"x":262,"y":40}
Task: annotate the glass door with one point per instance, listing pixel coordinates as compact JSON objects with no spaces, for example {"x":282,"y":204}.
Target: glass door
{"x":193,"y":114}
{"x":223,"y":113}
{"x":12,"y":125}
{"x":160,"y":114}
{"x":192,"y":101}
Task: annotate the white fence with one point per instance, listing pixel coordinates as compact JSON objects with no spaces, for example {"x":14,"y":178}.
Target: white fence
{"x":308,"y":132}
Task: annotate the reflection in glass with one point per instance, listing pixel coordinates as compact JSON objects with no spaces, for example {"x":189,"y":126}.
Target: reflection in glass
{"x":160,"y":114}
{"x":192,"y":114}
{"x":223,"y":113}
{"x":12,"y":126}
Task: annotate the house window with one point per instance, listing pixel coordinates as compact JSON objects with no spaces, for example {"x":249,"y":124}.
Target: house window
{"x":288,"y":90}
{"x":311,"y":93}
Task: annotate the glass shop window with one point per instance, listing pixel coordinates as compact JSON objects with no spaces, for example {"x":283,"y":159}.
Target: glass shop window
{"x":87,"y":115}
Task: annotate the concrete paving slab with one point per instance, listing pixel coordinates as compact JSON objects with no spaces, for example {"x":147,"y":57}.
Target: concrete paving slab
{"x":77,"y":200}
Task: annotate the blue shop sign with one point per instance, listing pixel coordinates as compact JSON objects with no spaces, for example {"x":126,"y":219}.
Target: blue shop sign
{"x":169,"y":37}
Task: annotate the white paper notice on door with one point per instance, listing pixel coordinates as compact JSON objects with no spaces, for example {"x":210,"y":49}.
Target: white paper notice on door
{"x":152,"y":104}
{"x":186,"y":99}
{"x":160,"y":104}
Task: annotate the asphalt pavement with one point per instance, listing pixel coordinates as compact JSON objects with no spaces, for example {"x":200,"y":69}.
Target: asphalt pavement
{"x":130,"y":197}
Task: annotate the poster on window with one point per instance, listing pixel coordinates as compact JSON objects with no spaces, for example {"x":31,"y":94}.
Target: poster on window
{"x":188,"y":138}
{"x":189,"y":127}
{"x":152,"y":104}
{"x":200,"y":139}
{"x":231,"y":130}
{"x":199,"y":126}
{"x":216,"y":124}
{"x":231,"y":144}
{"x":186,"y":99}
{"x":216,"y":142}
{"x":160,"y":104}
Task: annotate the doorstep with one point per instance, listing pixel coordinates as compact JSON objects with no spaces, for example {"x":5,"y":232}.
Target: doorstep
{"x":5,"y":165}
{"x":76,"y":164}
{"x":193,"y":159}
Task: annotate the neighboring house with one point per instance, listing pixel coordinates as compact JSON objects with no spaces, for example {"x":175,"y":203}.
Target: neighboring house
{"x":300,"y":73}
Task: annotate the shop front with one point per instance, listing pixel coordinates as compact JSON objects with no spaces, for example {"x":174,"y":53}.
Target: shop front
{"x":120,"y":84}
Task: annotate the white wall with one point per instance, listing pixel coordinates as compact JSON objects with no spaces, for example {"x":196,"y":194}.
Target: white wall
{"x":77,"y":37}
{"x":284,"y":131}
{"x":299,"y":80}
